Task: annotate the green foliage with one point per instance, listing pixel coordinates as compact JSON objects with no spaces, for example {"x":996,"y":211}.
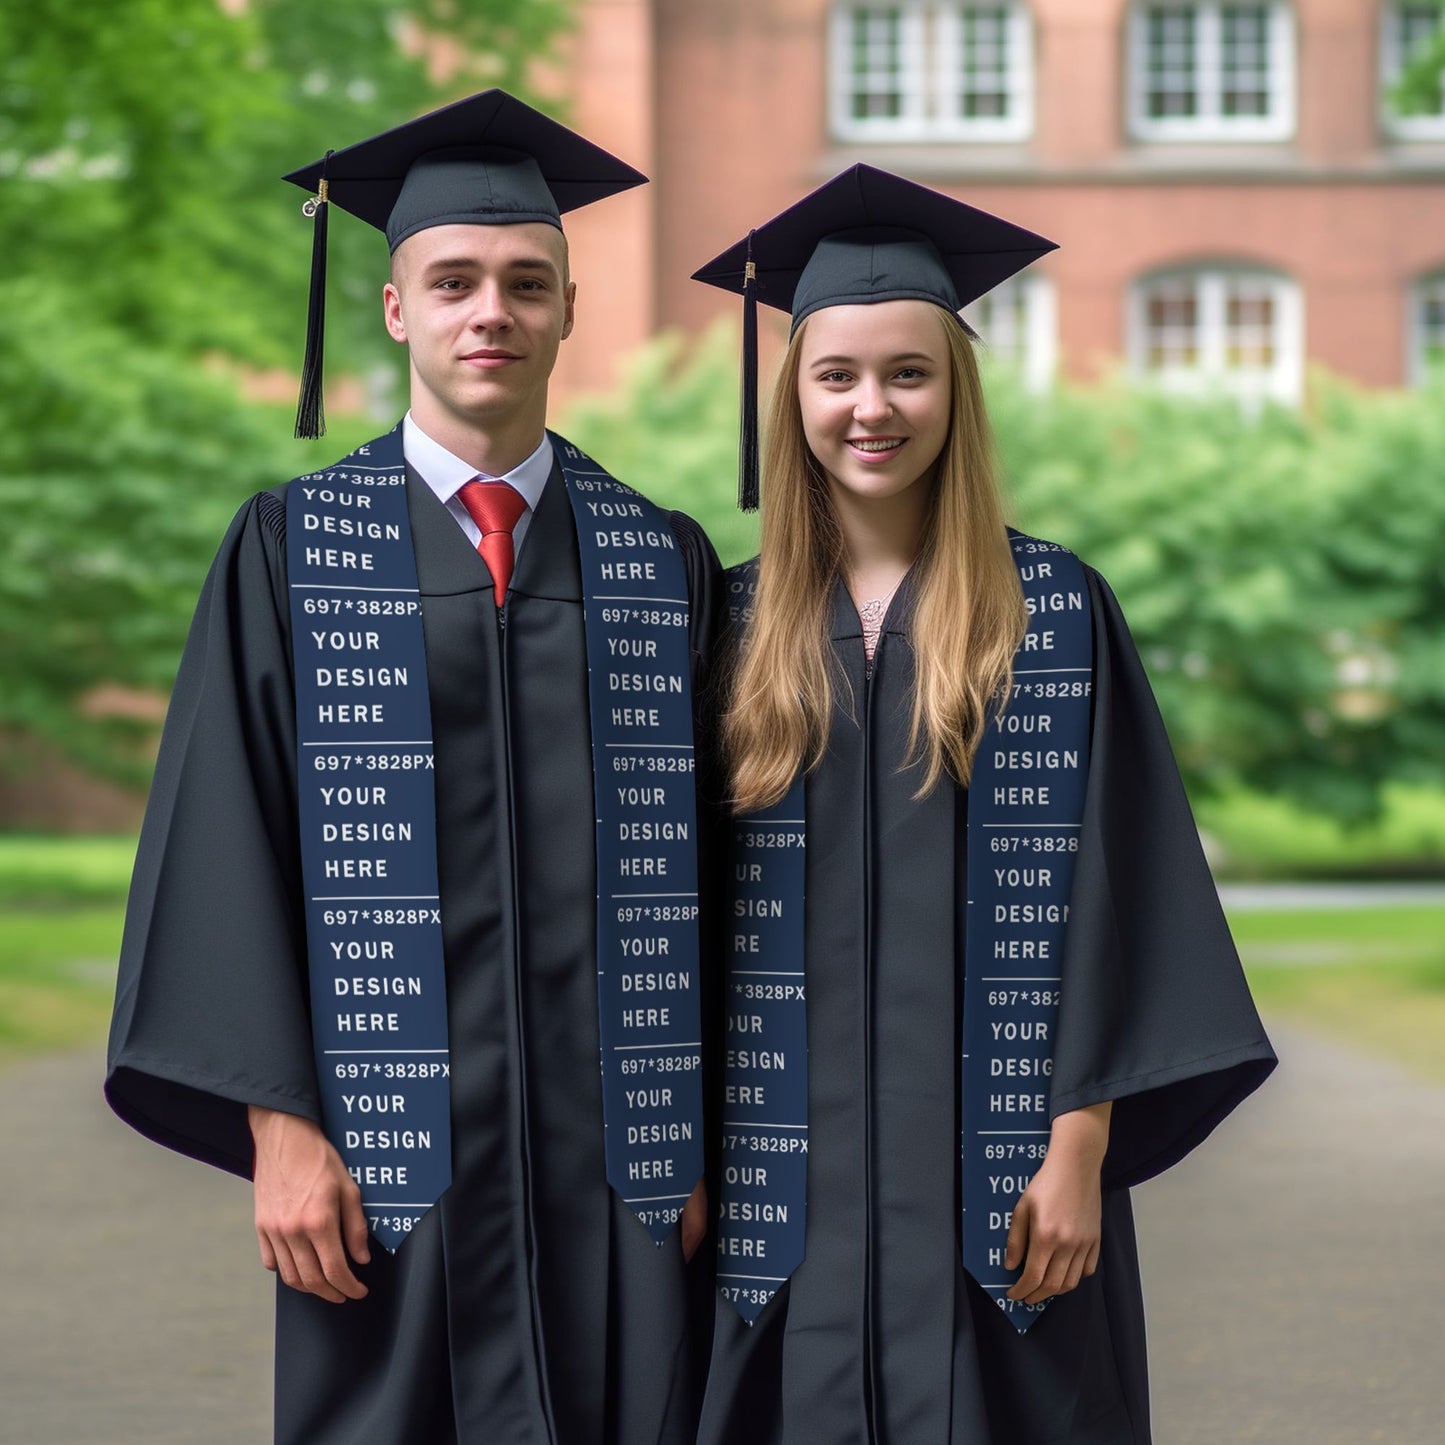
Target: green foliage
{"x":1262,"y":836}
{"x":1283,"y":572}
{"x":116,"y":485}
{"x":141,"y":146}
{"x":1418,"y":91}
{"x":148,"y":236}
{"x":670,"y":430}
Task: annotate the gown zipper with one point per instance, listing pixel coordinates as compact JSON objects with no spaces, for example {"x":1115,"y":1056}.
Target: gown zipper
{"x":870,"y":1383}
{"x":538,"y":1345}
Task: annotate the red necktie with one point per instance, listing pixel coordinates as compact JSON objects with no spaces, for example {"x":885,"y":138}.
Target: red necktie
{"x":495,"y":507}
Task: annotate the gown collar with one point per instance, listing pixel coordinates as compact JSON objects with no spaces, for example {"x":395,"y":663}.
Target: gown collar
{"x":447,"y":563}
{"x":845,"y":624}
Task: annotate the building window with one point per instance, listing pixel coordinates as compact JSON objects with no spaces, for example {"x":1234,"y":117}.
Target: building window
{"x":1427,"y":330}
{"x":882,"y":49}
{"x":1016,"y":328}
{"x":1219,"y":328}
{"x":930,"y":70}
{"x":1408,"y":29}
{"x":1211,"y":71}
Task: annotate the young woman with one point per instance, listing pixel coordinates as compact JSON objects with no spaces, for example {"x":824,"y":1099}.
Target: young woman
{"x":969,"y":902}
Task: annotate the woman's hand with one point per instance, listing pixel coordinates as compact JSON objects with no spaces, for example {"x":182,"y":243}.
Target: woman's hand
{"x":1057,"y":1222}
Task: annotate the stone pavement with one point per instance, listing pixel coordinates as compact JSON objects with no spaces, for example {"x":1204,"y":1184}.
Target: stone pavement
{"x":1293,"y":1268}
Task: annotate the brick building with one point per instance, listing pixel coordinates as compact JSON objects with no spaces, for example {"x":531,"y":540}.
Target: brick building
{"x":1234,"y":195}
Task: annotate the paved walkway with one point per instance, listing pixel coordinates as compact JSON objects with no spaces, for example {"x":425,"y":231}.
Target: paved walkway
{"x":133,"y":1308}
{"x":1293,"y":1266}
{"x":1257,"y":897}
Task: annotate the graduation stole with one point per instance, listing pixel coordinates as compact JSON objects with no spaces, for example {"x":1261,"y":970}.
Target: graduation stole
{"x":1025,"y":813}
{"x":367,"y":812}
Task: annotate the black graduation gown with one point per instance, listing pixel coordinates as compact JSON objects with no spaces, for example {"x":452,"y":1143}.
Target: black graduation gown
{"x":880,"y":1338}
{"x":530,"y":1306}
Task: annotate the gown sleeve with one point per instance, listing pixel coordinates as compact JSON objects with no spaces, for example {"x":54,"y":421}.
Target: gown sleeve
{"x":1155,"y":1011}
{"x":211,"y":1008}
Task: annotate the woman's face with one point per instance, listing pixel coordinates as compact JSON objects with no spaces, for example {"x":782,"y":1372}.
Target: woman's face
{"x":875,"y":391}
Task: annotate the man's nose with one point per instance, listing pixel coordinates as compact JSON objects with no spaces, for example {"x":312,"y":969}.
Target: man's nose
{"x":490,"y":311}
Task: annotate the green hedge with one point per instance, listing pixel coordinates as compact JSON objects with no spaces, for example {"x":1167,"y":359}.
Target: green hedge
{"x":1283,"y":571}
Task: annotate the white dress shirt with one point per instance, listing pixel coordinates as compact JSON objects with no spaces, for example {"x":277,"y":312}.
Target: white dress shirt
{"x":446,"y":474}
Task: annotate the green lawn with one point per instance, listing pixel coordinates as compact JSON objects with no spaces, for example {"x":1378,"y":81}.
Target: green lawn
{"x":43,"y":869}
{"x":1373,"y":978}
{"x":57,"y":976}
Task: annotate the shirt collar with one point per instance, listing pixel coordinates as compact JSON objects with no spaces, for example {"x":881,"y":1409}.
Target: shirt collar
{"x":446,"y":473}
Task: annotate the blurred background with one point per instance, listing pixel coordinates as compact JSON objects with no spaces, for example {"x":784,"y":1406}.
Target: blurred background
{"x":1226,"y":389}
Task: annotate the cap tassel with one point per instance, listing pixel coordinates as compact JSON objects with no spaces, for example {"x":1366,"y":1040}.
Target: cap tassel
{"x":310,"y":407}
{"x":748,"y":444}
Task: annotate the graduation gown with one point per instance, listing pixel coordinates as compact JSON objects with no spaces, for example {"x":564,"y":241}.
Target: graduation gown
{"x":880,"y":1338}
{"x":529,"y":1306}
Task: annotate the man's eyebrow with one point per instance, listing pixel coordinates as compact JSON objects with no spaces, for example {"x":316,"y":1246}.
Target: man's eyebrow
{"x":467,"y":263}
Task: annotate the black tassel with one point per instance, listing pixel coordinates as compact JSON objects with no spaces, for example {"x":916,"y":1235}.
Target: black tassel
{"x":748,"y":442}
{"x":310,"y":407}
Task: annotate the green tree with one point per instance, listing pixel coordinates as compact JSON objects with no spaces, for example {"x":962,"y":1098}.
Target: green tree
{"x":670,"y":430}
{"x":1281,"y":572}
{"x":152,"y":254}
{"x":142,"y":143}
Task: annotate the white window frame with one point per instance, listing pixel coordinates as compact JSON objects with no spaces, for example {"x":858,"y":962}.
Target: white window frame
{"x":1392,"y":62}
{"x":947,"y":58}
{"x":932,"y":37}
{"x":1211,"y":124}
{"x":1417,"y":364}
{"x":1037,"y":347}
{"x":1283,"y":381}
{"x":909,"y":123}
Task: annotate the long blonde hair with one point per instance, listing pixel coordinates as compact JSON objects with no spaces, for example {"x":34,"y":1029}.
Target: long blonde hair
{"x":968,"y":618}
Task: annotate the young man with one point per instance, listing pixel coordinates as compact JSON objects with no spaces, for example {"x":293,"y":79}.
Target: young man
{"x":421,"y":849}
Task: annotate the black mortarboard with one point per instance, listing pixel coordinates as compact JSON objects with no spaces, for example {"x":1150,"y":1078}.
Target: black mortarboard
{"x":488,"y":160}
{"x":865,"y":236}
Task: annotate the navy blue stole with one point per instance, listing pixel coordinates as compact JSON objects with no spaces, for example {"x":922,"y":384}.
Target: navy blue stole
{"x":634,"y":586}
{"x":762,"y":1214}
{"x":367,"y":809}
{"x":1025,"y":811}
{"x":1025,"y":805}
{"x":367,"y":813}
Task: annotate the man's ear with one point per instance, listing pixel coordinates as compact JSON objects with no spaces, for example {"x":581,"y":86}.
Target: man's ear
{"x":569,"y":313}
{"x":391,"y":309}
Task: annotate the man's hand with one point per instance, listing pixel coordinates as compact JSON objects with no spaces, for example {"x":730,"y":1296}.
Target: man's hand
{"x":693,"y":1224}
{"x":1058,"y":1221}
{"x":306,"y":1204}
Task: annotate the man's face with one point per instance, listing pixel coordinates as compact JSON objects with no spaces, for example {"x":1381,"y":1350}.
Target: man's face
{"x":482,"y":310}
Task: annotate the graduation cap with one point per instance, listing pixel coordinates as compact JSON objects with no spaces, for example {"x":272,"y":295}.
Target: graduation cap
{"x":488,"y":160}
{"x":863,"y":237}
